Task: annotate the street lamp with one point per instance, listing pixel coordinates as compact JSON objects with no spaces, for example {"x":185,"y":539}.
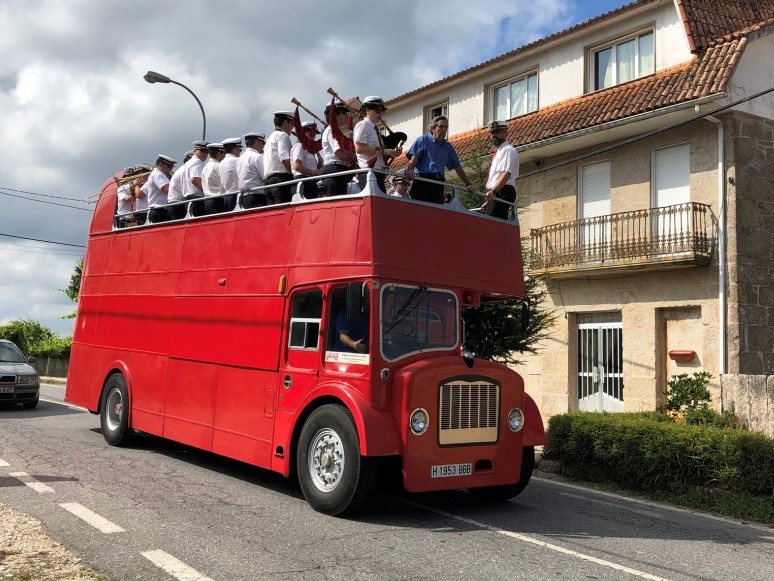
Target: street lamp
{"x":153,"y":77}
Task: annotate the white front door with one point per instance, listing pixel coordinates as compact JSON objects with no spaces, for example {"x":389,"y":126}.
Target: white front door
{"x":600,"y":366}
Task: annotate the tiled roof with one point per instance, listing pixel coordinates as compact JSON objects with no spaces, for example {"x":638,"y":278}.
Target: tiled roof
{"x":708,"y":20}
{"x":704,"y":76}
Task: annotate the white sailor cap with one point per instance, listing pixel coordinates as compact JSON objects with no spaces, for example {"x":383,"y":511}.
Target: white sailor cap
{"x":232,"y":142}
{"x":285,"y":114}
{"x":399,"y":179}
{"x":188,"y":154}
{"x":254,"y":136}
{"x":310,"y":125}
{"x":372,"y":102}
{"x":200,"y":144}
{"x":166,"y":159}
{"x":340,"y":105}
{"x":216,"y":145}
{"x":128,"y":170}
{"x":497,"y":125}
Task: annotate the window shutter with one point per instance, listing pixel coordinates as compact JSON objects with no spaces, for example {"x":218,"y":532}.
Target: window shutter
{"x":595,"y":190}
{"x":672,"y":176}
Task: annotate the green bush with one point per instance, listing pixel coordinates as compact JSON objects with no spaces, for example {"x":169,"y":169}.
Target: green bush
{"x":688,"y":392}
{"x":35,"y":339}
{"x":638,"y":451}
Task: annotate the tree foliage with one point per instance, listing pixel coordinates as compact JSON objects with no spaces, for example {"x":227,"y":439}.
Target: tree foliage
{"x":73,"y":290}
{"x":500,"y":330}
{"x":35,"y":339}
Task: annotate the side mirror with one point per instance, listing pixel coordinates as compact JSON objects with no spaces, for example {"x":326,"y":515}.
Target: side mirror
{"x":31,"y":359}
{"x":355,"y":302}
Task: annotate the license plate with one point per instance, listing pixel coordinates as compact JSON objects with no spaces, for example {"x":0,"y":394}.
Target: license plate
{"x":448,"y":470}
{"x":6,"y":388}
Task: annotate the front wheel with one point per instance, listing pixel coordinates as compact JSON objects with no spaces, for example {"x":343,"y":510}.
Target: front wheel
{"x":114,"y":412}
{"x":28,"y":405}
{"x":509,"y":491}
{"x":334,"y":477}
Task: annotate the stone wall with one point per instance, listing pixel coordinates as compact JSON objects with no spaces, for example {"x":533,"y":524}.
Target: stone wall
{"x":751,"y":397}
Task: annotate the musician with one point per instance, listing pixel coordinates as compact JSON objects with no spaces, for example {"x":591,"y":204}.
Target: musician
{"x":306,"y":164}
{"x":211,"y":183}
{"x":175,"y":193}
{"x":369,"y":146}
{"x":250,"y":170}
{"x":335,"y":159}
{"x":276,"y":160}
{"x":157,"y":187}
{"x":431,"y":155}
{"x":192,"y":177}
{"x":501,"y":183}
{"x":125,"y":200}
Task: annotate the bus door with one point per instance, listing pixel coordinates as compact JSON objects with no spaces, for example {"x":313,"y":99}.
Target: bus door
{"x":299,"y":365}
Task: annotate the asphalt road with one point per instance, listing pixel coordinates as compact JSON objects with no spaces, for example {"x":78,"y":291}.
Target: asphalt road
{"x":185,"y":514}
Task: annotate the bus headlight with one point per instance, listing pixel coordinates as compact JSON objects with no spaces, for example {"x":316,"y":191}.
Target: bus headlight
{"x":418,"y":421}
{"x":515,"y":419}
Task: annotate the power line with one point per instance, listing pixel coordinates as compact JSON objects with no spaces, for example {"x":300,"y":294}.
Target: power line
{"x":39,"y":240}
{"x":42,"y":195}
{"x":55,"y":252}
{"x":45,"y":202}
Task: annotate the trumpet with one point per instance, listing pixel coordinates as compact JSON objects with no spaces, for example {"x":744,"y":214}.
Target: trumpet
{"x":297,"y":103}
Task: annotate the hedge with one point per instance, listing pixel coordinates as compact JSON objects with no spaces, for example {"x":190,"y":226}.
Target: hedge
{"x":644,"y":451}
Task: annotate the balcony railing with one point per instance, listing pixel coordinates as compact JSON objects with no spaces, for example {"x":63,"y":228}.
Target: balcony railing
{"x":683,"y":234}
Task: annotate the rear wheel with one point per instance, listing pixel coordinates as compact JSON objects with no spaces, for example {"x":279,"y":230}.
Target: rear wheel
{"x":334,"y":477}
{"x":509,"y":491}
{"x":114,"y":411}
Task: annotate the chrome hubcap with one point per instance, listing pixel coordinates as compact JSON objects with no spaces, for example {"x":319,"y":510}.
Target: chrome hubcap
{"x":115,"y":409}
{"x":326,"y":460}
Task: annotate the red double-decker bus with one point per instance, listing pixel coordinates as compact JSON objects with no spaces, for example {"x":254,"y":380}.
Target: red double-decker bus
{"x":224,"y":332}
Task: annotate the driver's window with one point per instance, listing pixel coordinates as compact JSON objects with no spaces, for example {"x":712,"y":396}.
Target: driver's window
{"x":306,"y":313}
{"x":349,"y":331}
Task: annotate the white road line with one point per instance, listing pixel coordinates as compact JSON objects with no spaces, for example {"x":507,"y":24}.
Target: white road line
{"x":539,"y":543}
{"x":100,"y":523}
{"x":174,"y":567}
{"x":3,"y":462}
{"x":63,"y":403}
{"x":31,"y":482}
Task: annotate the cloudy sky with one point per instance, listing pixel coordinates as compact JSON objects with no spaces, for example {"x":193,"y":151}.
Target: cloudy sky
{"x":74,"y":108}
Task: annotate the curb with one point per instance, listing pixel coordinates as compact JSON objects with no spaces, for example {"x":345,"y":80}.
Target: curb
{"x":54,"y":380}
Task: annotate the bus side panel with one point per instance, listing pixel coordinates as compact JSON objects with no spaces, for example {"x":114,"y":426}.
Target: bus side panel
{"x":188,"y":406}
{"x":79,"y":376}
{"x":244,"y":414}
{"x":263,"y":242}
{"x":147,"y":392}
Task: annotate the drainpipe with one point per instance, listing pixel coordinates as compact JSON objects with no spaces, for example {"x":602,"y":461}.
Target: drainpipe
{"x":721,"y":249}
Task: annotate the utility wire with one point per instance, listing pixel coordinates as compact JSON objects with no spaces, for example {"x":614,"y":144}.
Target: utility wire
{"x":39,"y":240}
{"x":45,"y":202}
{"x":41,"y":195}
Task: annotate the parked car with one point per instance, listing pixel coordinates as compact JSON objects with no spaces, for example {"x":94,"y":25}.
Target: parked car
{"x":19,"y":382}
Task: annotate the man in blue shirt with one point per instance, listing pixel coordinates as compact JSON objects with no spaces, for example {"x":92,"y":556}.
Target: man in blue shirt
{"x":429,"y":157}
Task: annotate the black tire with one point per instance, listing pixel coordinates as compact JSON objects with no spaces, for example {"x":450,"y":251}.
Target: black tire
{"x":114,"y":411}
{"x":334,"y":477}
{"x":508,"y":491}
{"x":30,"y":405}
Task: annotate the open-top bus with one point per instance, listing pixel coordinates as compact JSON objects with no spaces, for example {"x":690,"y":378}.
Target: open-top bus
{"x":219,"y":331}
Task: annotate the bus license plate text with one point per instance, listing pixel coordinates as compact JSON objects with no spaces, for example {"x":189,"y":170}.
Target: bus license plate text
{"x":447,"y":470}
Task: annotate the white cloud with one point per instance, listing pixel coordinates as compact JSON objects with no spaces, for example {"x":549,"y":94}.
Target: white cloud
{"x":74,"y":107}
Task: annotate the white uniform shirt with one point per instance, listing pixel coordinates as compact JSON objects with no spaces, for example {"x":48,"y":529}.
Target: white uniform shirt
{"x":366,"y":132}
{"x":250,"y":169}
{"x":229,"y":178}
{"x":330,"y":146}
{"x":276,"y":151}
{"x":175,"y":192}
{"x":152,"y":188}
{"x":308,"y":160}
{"x":141,"y":204}
{"x":211,"y":178}
{"x":506,"y":159}
{"x":124,"y":207}
{"x":193,"y":169}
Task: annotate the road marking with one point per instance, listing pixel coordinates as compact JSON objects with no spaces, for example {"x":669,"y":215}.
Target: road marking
{"x":63,"y":403}
{"x":174,"y":567}
{"x":31,"y":482}
{"x":3,"y":462}
{"x":539,"y":543}
{"x":98,"y":522}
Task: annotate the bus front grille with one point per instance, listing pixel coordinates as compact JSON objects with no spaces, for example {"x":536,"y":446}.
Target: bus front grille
{"x":468,"y":412}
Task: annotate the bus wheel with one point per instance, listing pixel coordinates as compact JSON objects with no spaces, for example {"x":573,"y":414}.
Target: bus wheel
{"x":334,"y":477}
{"x":510,"y":490}
{"x":114,"y":411}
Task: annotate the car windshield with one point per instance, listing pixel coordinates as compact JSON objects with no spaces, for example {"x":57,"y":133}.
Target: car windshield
{"x":416,"y":319}
{"x":9,"y":353}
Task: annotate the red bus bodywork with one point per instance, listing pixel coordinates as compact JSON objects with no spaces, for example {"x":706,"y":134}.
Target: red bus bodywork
{"x":194,"y":314}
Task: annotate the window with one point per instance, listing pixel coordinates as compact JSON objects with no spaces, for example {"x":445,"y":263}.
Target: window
{"x":305,"y":320}
{"x":671,"y":188}
{"x":436,"y":110}
{"x":623,"y":60}
{"x":514,"y":97}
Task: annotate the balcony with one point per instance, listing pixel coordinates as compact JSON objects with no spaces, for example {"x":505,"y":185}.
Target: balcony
{"x":653,"y":239}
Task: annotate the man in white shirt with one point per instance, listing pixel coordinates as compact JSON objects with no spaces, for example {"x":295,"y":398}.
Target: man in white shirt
{"x":501,"y":183}
{"x":369,"y":146}
{"x":276,"y":160}
{"x":211,"y":183}
{"x":335,"y":158}
{"x":192,"y":180}
{"x":157,"y":187}
{"x":250,"y":170}
{"x":305,"y":164}
{"x":175,"y":193}
{"x":229,"y":177}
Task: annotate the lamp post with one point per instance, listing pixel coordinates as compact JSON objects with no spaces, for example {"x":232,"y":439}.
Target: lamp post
{"x":153,"y":77}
